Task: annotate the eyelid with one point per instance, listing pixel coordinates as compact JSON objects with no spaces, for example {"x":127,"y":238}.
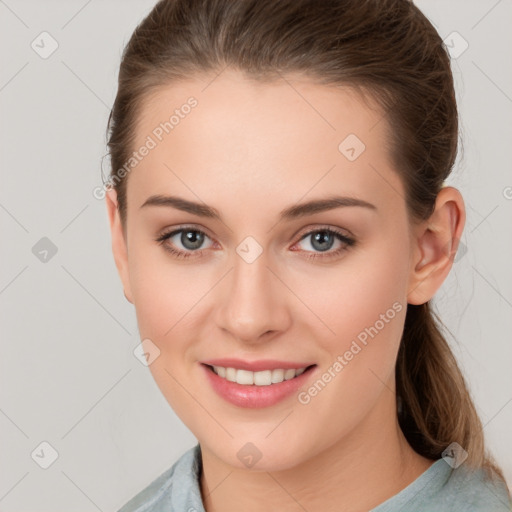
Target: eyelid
{"x":306,"y":231}
{"x":168,"y":232}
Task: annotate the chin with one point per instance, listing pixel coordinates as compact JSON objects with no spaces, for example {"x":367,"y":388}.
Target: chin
{"x":258,"y":455}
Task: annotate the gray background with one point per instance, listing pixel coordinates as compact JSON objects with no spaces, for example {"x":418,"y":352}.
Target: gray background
{"x":68,"y":373}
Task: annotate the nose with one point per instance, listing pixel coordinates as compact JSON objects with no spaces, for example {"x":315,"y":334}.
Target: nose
{"x":253,"y":303}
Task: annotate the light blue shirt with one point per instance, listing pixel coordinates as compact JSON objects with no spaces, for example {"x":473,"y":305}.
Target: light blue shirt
{"x":439,"y":489}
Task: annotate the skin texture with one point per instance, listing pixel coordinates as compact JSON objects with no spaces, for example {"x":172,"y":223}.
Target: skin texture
{"x":250,"y":150}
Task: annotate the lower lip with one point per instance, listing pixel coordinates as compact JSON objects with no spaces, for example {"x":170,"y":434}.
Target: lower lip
{"x":252,"y":396}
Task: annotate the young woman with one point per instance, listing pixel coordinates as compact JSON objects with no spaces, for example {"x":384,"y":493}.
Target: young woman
{"x":280,"y":222}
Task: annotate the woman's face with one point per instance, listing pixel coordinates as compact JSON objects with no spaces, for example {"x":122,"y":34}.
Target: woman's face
{"x":260,"y":285}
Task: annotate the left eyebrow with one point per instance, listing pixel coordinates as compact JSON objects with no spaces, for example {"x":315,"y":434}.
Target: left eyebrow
{"x":289,"y":213}
{"x":321,"y":205}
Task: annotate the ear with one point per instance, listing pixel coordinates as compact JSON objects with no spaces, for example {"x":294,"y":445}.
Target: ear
{"x":119,"y":246}
{"x":435,"y":244}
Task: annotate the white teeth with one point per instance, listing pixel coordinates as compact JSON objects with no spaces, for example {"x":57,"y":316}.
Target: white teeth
{"x":244,"y":377}
{"x":262,"y":378}
{"x":277,"y":376}
{"x":289,"y":374}
{"x":230,"y":374}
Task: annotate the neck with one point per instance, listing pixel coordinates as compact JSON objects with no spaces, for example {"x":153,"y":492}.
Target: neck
{"x":360,"y":471}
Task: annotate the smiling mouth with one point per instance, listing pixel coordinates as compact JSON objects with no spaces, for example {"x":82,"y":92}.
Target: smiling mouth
{"x":260,"y":378}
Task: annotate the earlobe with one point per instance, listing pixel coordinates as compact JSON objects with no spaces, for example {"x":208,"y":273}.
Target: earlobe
{"x":435,"y":245}
{"x":119,"y":246}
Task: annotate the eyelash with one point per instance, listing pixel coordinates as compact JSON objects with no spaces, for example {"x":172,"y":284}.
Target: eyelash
{"x":347,"y":241}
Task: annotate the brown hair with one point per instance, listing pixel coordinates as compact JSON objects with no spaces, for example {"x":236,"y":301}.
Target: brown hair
{"x":385,"y":48}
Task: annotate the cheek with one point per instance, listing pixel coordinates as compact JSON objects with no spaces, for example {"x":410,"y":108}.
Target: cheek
{"x":359,"y":292}
{"x":169,"y":299}
{"x":162,"y":289}
{"x":364,"y":303}
{"x":164,"y":297}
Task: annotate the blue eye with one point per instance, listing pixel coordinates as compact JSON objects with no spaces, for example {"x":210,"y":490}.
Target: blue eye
{"x":192,"y":239}
{"x":323,"y":239}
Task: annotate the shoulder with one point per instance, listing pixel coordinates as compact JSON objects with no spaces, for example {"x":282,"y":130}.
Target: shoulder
{"x":174,"y":489}
{"x":445,"y":489}
{"x":475,"y":491}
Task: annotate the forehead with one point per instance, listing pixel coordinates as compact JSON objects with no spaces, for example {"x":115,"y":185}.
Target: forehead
{"x":230,"y":132}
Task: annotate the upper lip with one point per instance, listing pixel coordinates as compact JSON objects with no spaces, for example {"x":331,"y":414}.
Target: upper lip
{"x":255,"y":366}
